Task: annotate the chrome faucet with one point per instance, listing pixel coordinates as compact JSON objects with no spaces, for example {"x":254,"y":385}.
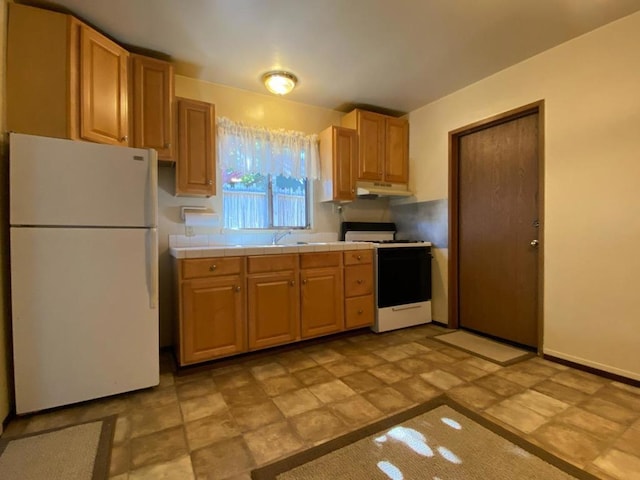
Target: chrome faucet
{"x":277,"y":236}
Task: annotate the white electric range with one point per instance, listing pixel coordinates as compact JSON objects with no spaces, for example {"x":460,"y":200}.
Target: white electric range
{"x":402,"y":274}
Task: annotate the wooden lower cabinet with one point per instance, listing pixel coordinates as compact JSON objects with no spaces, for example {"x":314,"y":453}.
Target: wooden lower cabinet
{"x":273,"y":309}
{"x":212,"y":319}
{"x":231,"y":305}
{"x":322,"y":301}
{"x":358,"y":289}
{"x":358,"y":312}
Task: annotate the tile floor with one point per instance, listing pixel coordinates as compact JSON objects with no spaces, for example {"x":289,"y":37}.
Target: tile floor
{"x":223,"y":422}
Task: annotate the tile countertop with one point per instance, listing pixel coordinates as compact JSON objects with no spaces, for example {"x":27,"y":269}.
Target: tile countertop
{"x":235,"y":250}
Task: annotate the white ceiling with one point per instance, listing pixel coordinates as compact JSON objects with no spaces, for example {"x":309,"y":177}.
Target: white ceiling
{"x":392,"y":54}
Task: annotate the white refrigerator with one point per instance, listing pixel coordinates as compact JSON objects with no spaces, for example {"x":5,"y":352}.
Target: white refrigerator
{"x":84,"y":270}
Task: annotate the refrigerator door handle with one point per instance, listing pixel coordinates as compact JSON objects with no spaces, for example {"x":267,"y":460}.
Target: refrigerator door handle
{"x":153,"y":179}
{"x":152,"y":263}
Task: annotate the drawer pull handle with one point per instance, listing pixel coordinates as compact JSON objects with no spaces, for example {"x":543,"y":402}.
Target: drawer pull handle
{"x":237,"y":288}
{"x":212,"y":268}
{"x":360,"y":311}
{"x":359,"y":281}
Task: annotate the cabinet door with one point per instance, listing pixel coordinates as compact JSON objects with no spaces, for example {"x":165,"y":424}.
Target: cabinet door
{"x":396,"y":167}
{"x":152,"y":99}
{"x":345,"y":163}
{"x":103,"y":89}
{"x":195,"y":172}
{"x":212,"y":319}
{"x":371,"y":131}
{"x":322,"y":302}
{"x":273,"y":306}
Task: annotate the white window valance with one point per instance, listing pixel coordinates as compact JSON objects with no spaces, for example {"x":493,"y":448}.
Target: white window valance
{"x":247,"y":148}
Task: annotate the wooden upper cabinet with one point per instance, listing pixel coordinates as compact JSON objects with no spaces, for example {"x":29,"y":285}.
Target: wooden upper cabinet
{"x":103,"y":89}
{"x":152,"y":98}
{"x":396,"y":166}
{"x":195,"y":172}
{"x":383,"y":146}
{"x":339,"y":163}
{"x":64,"y":79}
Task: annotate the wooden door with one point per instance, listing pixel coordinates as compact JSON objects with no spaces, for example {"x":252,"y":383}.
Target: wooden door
{"x":396,"y":166}
{"x":152,"y":97}
{"x":371,"y":145}
{"x":345,"y":163}
{"x":322,"y":301}
{"x":498,"y":220}
{"x":273,"y":309}
{"x":195,"y":172}
{"x":212,"y":319}
{"x":103,"y":89}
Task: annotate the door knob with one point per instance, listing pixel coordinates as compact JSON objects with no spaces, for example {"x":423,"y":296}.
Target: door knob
{"x":534,"y":243}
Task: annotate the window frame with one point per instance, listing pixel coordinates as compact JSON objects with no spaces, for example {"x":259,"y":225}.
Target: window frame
{"x":270,"y":209}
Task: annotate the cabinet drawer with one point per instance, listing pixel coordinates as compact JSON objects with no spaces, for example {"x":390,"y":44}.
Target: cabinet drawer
{"x":358,"y":311}
{"x":357,"y":257}
{"x":211,"y":267}
{"x":320,"y":259}
{"x":358,"y":280}
{"x":272,"y":263}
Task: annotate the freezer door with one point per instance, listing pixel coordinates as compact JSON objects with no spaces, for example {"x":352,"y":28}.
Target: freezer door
{"x":64,"y":183}
{"x":85,"y":316}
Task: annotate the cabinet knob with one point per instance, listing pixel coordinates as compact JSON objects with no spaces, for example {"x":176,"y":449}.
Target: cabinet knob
{"x":359,"y":257}
{"x":304,"y":281}
{"x":212,"y":268}
{"x":210,"y":182}
{"x":292,"y":283}
{"x":237,"y":288}
{"x":167,"y":145}
{"x":359,"y":281}
{"x":124,"y":139}
{"x":360,"y":311}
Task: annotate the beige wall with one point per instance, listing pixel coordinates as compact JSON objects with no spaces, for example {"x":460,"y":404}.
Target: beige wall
{"x":254,"y":109}
{"x":591,"y":89}
{"x":5,"y":371}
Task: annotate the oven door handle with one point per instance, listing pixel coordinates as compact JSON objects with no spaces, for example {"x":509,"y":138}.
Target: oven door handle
{"x":396,"y":309}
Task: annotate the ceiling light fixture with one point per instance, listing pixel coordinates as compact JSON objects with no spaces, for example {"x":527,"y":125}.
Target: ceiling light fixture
{"x":279,"y":82}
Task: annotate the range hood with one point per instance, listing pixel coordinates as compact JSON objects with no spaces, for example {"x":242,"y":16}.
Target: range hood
{"x":381,"y":189}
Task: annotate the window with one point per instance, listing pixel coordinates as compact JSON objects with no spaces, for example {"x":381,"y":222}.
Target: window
{"x":265,"y":176}
{"x":253,"y":200}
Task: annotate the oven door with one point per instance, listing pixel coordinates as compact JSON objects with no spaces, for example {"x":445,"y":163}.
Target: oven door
{"x":403,"y":275}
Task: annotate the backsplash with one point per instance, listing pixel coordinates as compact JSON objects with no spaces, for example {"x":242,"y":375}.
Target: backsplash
{"x":428,"y":221}
{"x":261,"y":238}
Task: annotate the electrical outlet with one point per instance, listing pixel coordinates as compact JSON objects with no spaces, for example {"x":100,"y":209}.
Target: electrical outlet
{"x":337,"y":208}
{"x":188,"y":231}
